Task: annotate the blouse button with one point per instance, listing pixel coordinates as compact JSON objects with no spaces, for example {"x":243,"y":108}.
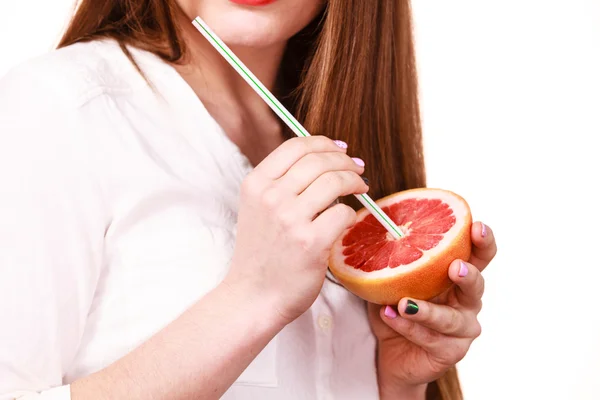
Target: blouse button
{"x":325,"y":322}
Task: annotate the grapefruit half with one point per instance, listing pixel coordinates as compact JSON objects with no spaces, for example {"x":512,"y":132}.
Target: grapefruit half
{"x":369,"y":262}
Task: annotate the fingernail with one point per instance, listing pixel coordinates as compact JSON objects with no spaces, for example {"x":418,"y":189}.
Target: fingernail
{"x":358,"y":161}
{"x":463,"y":271}
{"x":365,"y":180}
{"x":483,"y":230}
{"x":340,"y":144}
{"x":411,"y":308}
{"x":390,"y":312}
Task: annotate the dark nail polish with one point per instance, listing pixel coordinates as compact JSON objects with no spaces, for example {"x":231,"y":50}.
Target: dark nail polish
{"x":366,"y":180}
{"x":411,"y":308}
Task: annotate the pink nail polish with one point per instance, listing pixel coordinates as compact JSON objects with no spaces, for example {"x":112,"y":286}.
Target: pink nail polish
{"x":483,"y":230}
{"x":463,"y":271}
{"x":358,"y":161}
{"x":390,"y":312}
{"x":340,"y":144}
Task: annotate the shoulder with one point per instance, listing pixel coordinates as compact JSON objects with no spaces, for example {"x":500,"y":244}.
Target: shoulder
{"x":72,"y":76}
{"x":51,"y":106}
{"x":59,"y":98}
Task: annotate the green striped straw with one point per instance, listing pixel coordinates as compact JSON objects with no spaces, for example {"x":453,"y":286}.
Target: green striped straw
{"x":285,"y":115}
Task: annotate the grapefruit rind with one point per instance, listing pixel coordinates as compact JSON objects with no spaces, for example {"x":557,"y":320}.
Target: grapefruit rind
{"x":424,"y":278}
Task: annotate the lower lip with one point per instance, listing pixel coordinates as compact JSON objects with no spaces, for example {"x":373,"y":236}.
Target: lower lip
{"x":252,"y":2}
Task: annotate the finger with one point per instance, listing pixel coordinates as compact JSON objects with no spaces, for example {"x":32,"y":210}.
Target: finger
{"x":333,"y":222}
{"x":276,"y":164}
{"x":311,"y":166}
{"x":435,"y":343}
{"x":484,"y":245}
{"x":440,"y":318}
{"x":326,"y":189}
{"x":412,"y":330}
{"x":470,"y":282}
{"x":445,"y":349}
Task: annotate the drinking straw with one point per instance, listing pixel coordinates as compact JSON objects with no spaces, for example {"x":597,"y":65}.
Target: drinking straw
{"x":285,"y":115}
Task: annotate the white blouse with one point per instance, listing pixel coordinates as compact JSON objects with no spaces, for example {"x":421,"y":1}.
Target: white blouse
{"x":118,"y":211}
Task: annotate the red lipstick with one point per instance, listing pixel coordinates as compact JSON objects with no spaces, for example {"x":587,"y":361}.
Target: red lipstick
{"x":252,"y":2}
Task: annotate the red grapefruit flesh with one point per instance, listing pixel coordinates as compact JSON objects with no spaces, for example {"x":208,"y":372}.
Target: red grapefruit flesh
{"x":369,"y":262}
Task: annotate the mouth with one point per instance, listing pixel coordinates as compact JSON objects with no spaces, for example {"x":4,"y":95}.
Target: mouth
{"x":253,"y":2}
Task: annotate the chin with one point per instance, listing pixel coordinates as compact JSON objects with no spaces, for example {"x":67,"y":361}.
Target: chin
{"x":255,"y":26}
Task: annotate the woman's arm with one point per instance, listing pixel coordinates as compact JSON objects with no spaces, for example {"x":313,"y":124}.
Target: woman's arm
{"x":391,"y":389}
{"x":52,"y":222}
{"x":52,"y":225}
{"x":199,"y":355}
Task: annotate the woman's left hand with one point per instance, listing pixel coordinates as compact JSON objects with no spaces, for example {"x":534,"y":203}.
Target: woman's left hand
{"x":428,"y":337}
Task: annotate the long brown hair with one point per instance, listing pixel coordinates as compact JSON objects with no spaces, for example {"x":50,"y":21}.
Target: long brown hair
{"x":351,"y":75}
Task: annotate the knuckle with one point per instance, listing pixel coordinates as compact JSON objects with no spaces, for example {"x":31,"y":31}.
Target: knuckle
{"x":299,"y":143}
{"x":270,"y":198}
{"x":457,"y":357}
{"x":334,"y":179}
{"x":480,"y":286}
{"x":304,"y":239}
{"x":287,"y":219}
{"x":294,"y":141}
{"x":349,"y":162}
{"x":344,"y":160}
{"x":440,"y":366}
{"x":352,"y":179}
{"x":323,"y":141}
{"x":478,"y":306}
{"x":460,"y":353}
{"x":477,"y":329}
{"x":305,"y":145}
{"x":447,"y":355}
{"x":316,"y":160}
{"x":430,"y":336}
{"x":338,"y":160}
{"x":451,"y":324}
{"x":360,"y":183}
{"x":411,"y":330}
{"x":346,"y":213}
{"x":454,"y":353}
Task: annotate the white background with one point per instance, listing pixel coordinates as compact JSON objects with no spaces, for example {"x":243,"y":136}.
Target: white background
{"x":511,"y":106}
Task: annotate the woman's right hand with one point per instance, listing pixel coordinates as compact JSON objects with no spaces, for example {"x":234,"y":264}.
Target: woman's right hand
{"x":286,"y":226}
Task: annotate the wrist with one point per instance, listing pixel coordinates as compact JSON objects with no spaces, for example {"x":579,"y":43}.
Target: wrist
{"x":248,"y":296}
{"x":402,"y":392}
{"x":391,"y":387}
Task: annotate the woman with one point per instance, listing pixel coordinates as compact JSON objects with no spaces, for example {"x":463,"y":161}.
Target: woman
{"x":130,"y":269}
